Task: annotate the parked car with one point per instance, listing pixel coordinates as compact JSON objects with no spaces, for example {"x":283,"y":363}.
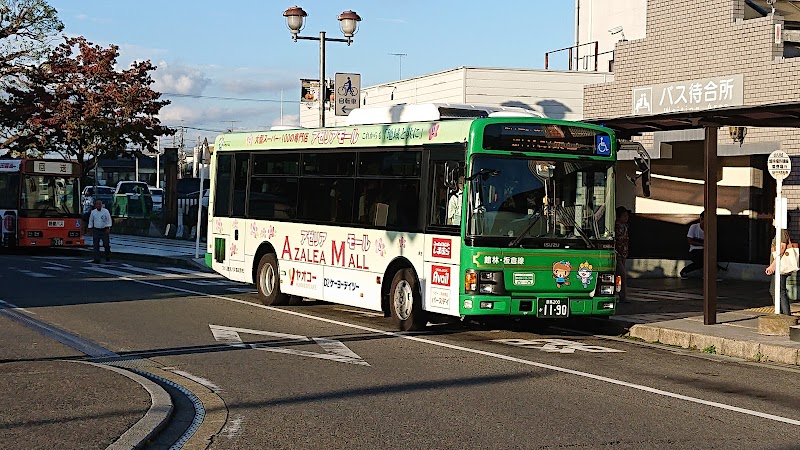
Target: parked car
{"x":103,"y":193}
{"x":134,"y":190}
{"x":158,"y":198}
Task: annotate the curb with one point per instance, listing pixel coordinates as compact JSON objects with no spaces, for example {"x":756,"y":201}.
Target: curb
{"x":215,"y":412}
{"x":186,"y":261}
{"x":153,"y":420}
{"x":750,"y":350}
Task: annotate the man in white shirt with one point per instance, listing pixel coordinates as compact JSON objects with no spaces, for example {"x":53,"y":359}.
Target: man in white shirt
{"x":695,"y":237}
{"x":454,"y":204}
{"x":100,"y":224}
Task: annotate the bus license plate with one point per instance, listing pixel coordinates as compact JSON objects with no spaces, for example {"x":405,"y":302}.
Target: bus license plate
{"x":553,"y":307}
{"x":56,"y":242}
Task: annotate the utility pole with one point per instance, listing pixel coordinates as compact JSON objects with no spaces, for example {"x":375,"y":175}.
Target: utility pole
{"x":400,"y":58}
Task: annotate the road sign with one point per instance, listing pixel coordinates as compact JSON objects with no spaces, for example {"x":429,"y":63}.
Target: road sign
{"x":779,"y":164}
{"x":347,"y":92}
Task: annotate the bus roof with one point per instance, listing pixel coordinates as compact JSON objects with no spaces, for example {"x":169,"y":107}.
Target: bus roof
{"x":359,"y":136}
{"x":386,"y":135}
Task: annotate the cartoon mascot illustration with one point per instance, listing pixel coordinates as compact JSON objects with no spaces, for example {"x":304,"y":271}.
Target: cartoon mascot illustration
{"x":561,"y":270}
{"x":585,"y":273}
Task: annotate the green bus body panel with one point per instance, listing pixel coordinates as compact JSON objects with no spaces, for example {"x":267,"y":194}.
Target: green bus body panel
{"x":530,"y":274}
{"x":351,"y":136}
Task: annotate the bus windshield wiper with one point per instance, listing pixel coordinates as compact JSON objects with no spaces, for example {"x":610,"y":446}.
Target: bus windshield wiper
{"x":483,"y":174}
{"x":578,"y":230}
{"x":518,"y":239}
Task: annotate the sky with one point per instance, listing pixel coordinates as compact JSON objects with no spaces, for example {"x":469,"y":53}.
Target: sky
{"x":233,"y":65}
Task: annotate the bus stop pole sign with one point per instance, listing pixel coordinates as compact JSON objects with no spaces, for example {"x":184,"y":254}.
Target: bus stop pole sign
{"x":779,"y":166}
{"x":347,"y":92}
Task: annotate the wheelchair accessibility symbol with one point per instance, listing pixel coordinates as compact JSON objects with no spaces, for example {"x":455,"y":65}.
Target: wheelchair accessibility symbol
{"x":603,"y":145}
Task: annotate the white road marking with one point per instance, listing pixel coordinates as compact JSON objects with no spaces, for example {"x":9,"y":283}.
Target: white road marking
{"x":242,"y":290}
{"x":557,"y":345}
{"x":232,"y":428}
{"x":199,"y":380}
{"x":34,"y":274}
{"x":209,"y":282}
{"x":192,"y":272}
{"x":15,"y":307}
{"x":58,"y":269}
{"x":499,"y":356}
{"x":362,"y":313}
{"x":59,"y":265}
{"x":336,"y":351}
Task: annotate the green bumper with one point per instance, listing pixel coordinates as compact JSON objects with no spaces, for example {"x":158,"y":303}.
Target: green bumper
{"x":526,"y":306}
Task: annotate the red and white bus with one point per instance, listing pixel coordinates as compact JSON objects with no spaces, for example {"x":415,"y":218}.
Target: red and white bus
{"x":40,"y":203}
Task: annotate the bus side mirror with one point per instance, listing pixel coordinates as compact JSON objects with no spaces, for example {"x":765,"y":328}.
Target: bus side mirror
{"x":642,"y":161}
{"x":646,"y":183}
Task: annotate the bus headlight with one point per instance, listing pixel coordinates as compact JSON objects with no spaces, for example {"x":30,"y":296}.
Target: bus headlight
{"x":491,"y":282}
{"x":607,"y":290}
{"x":607,"y":278}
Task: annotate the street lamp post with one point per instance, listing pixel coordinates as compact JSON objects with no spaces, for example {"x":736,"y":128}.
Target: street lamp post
{"x":348,"y":23}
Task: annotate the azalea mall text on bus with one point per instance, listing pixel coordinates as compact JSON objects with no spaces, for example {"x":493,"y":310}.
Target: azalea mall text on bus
{"x":40,"y":203}
{"x":507,"y":216}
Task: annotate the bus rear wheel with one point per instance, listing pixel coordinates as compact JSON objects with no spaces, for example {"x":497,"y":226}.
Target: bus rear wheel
{"x":406,"y":303}
{"x":268,"y":282}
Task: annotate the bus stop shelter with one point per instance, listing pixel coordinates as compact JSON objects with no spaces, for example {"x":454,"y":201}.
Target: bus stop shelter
{"x":775,"y":115}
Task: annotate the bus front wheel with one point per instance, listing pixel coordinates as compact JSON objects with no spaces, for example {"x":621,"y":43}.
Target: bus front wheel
{"x":405,"y":302}
{"x":268,"y":282}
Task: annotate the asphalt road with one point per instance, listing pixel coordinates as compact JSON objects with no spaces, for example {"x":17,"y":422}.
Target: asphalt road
{"x":328,"y":376}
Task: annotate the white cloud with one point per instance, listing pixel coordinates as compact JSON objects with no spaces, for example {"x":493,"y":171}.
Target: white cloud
{"x":245,"y":86}
{"x":179,"y":79}
{"x":288,"y":119}
{"x":219,"y":117}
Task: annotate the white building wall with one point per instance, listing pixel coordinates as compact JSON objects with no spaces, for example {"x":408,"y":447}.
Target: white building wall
{"x":555,"y":94}
{"x":595,"y":19}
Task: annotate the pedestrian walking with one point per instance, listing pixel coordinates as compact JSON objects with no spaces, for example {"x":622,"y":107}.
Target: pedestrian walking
{"x":100,"y":224}
{"x":621,"y":249}
{"x":770,"y":270}
{"x":696,"y":237}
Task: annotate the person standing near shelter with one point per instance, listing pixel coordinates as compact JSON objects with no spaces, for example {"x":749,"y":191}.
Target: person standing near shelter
{"x":100,"y":224}
{"x":621,"y":248}
{"x":770,"y":270}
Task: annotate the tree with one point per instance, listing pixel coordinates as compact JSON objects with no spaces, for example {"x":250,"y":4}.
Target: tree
{"x":77,"y":104}
{"x":27,"y":27}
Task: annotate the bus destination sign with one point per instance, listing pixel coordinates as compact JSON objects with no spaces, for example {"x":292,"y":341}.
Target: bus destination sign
{"x":52,"y":167}
{"x":546,"y":138}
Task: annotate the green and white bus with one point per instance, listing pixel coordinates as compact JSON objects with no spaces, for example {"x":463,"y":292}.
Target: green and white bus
{"x":478,"y":216}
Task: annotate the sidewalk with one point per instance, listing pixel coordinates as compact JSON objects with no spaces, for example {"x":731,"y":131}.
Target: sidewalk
{"x":670,"y":311}
{"x":61,"y":400}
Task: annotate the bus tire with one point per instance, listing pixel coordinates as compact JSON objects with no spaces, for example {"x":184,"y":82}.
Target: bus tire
{"x":405,"y":302}
{"x":268,"y":282}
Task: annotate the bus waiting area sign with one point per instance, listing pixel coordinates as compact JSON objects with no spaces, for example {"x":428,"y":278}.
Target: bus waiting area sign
{"x":779,"y":165}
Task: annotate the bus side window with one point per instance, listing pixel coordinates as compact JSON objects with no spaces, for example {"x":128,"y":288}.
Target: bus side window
{"x":441,"y":192}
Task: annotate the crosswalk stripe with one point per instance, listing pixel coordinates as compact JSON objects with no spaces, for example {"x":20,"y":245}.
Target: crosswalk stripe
{"x":191,"y":272}
{"x":111,"y":272}
{"x":35,"y":274}
{"x":241,"y":290}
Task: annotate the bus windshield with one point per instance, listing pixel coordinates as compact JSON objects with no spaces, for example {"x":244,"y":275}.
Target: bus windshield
{"x":50,"y":196}
{"x":528,"y":198}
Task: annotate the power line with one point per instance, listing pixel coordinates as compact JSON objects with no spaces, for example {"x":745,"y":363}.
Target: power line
{"x":239,"y":99}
